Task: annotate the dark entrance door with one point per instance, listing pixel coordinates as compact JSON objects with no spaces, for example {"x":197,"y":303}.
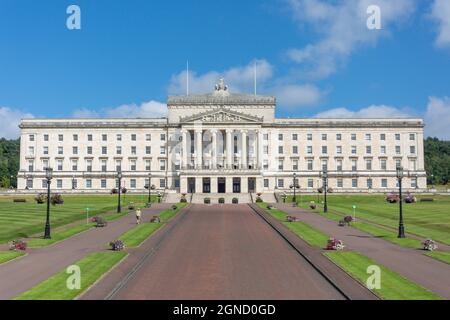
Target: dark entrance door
{"x":236,"y":185}
{"x":206,"y":185}
{"x":221,"y":185}
{"x":191,"y":185}
{"x":251,"y":185}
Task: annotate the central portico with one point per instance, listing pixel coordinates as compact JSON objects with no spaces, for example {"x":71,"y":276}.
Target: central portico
{"x":221,"y":140}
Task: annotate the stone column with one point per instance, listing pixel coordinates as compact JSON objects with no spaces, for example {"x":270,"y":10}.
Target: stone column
{"x":229,"y":184}
{"x":229,"y":146}
{"x":260,"y":149}
{"x":185,"y":149}
{"x":214,"y":185}
{"x":244,"y":149}
{"x":214,"y":150}
{"x":199,"y":148}
{"x":244,"y":184}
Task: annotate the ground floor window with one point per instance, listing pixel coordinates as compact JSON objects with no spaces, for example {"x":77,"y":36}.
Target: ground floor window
{"x":59,"y":183}
{"x":280,"y":183}
{"x":414,"y":183}
{"x":354,"y":183}
{"x":133,"y":183}
{"x":369,"y":183}
{"x":177,"y":183}
{"x":162,"y":183}
{"x":266,"y":183}
{"x":30,"y":183}
{"x":339,"y":183}
{"x":88,"y":183}
{"x":384,"y":183}
{"x":103,"y":183}
{"x":310,"y":183}
{"x":44,"y":183}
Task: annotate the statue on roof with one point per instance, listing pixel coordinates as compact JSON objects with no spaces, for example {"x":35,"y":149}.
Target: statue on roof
{"x":221,"y":86}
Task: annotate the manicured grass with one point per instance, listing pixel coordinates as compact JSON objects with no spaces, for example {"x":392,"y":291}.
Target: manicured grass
{"x":311,"y":235}
{"x":425,"y":219}
{"x":59,"y":236}
{"x":92,"y":267}
{"x":6,"y":256}
{"x":21,"y":220}
{"x":439,"y":255}
{"x":393,"y":286}
{"x":137,"y":235}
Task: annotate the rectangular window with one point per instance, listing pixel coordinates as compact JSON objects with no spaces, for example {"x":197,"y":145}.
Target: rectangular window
{"x":412,"y":137}
{"x":31,"y":151}
{"x":280,"y":183}
{"x":163,"y":137}
{"x":103,"y":184}
{"x":339,"y":165}
{"x":295,"y":165}
{"x":310,"y":183}
{"x":89,"y":150}
{"x":118,"y":165}
{"x":383,"y":149}
{"x":324,"y":149}
{"x":412,"y":149}
{"x":88,"y":183}
{"x":310,"y":165}
{"x":104,"y":167}
{"x":295,"y":149}
{"x":294,"y":137}
{"x":148,"y":150}
{"x":397,"y":150}
{"x":148,"y":137}
{"x":148,"y":165}
{"x":104,"y":150}
{"x":354,"y":165}
{"x":162,"y":183}
{"x":45,"y":137}
{"x":29,"y":183}
{"x":89,"y":165}
{"x":398,"y":163}
{"x":324,"y":165}
{"x":75,"y":150}
{"x":266,"y":183}
{"x":133,"y":165}
{"x":89,"y":137}
{"x":338,"y":149}
{"x":354,"y":150}
{"x":368,"y":137}
{"x":338,"y":136}
{"x":353,"y":136}
{"x":354,"y":183}
{"x":133,"y":137}
{"x":281,"y":165}
{"x":59,"y":183}
{"x":59,"y":164}
{"x":119,"y":137}
{"x":133,"y":150}
{"x":383,"y":164}
{"x":339,"y":183}
{"x":368,"y":164}
{"x":162,"y":150}
{"x":280,"y":149}
{"x":30,"y":166}
{"x":369,"y":183}
{"x":382,"y":136}
{"x":74,"y":165}
{"x":118,"y":150}
{"x":60,"y":137}
{"x":309,"y":137}
{"x":31,"y":137}
{"x":368,"y":149}
{"x":397,"y":136}
{"x":133,"y":183}
{"x":280,"y":137}
{"x":324,"y":137}
{"x":104,"y":137}
{"x":309,"y":150}
{"x":44,"y":183}
{"x":60,"y":150}
{"x":414,"y":183}
{"x":266,"y":164}
{"x":45,"y":151}
{"x":384,"y":183}
{"x":266,"y":136}
{"x":162,"y":165}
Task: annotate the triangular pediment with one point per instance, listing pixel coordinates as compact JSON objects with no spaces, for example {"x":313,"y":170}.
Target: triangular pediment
{"x":222,"y":116}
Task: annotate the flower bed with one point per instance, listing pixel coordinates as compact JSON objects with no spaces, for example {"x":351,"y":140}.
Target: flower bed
{"x":335,"y":244}
{"x":18,"y":245}
{"x":117,"y":245}
{"x":429,"y":245}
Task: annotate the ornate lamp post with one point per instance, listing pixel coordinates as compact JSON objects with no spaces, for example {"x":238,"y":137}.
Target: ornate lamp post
{"x":149,"y":186}
{"x":401,"y":228}
{"x":294,"y":186}
{"x":48,"y":176}
{"x":119,"y":189}
{"x":325,"y":188}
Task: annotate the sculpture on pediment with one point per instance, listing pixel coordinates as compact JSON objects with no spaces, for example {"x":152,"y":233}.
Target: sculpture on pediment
{"x":221,"y":86}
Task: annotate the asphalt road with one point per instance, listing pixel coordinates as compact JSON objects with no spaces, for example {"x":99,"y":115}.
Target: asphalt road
{"x":225,"y":252}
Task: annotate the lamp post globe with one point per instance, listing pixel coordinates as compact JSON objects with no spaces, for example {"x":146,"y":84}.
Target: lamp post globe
{"x":48,"y":177}
{"x":401,"y":227}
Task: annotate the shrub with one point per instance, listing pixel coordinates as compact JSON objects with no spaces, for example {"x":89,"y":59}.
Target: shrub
{"x":410,"y":199}
{"x":335,"y":244}
{"x":291,"y":219}
{"x":312,"y":205}
{"x":124,"y":190}
{"x":114,"y":191}
{"x":117,"y":245}
{"x":392,"y":198}
{"x":40,"y":198}
{"x":259,"y":194}
{"x":174,"y":207}
{"x":56,"y":199}
{"x":235,"y":200}
{"x":221,"y":200}
{"x":348,"y":219}
{"x":131,"y":206}
{"x":206,"y":200}
{"x":258,"y":199}
{"x":320,"y":190}
{"x":183,"y":200}
{"x":269,"y":207}
{"x":20,"y":200}
{"x":429,"y":245}
{"x":155,"y":219}
{"x":18,"y":245}
{"x":101,"y":222}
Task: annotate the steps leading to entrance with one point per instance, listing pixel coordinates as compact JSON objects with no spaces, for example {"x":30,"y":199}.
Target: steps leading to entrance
{"x":242,"y":197}
{"x":267,"y":197}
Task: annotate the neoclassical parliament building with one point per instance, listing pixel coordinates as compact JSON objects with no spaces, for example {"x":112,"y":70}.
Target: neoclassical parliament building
{"x":221,"y":142}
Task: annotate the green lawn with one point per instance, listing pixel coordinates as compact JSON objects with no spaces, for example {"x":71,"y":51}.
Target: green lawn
{"x":439,"y":255}
{"x":92,"y":267}
{"x":6,"y":256}
{"x":135,"y":236}
{"x":393,"y":286}
{"x":425,"y":219}
{"x":20,"y":220}
{"x":311,"y":235}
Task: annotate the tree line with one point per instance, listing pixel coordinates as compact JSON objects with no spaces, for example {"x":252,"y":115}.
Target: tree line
{"x":437,"y":161}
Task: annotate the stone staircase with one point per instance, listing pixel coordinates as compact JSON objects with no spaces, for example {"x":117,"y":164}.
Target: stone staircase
{"x":242,"y":197}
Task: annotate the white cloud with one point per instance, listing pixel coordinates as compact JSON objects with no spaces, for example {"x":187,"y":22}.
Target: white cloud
{"x":10,"y":120}
{"x":437,"y":118}
{"x":150,"y":109}
{"x":374,"y":111}
{"x":440,"y":12}
{"x":297,"y":95}
{"x":239,"y":79}
{"x":343,"y":28}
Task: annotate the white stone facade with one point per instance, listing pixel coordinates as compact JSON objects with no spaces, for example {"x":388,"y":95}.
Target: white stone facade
{"x":244,"y":148}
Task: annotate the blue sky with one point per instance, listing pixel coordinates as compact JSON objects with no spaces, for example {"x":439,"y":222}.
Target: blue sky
{"x":318,"y":57}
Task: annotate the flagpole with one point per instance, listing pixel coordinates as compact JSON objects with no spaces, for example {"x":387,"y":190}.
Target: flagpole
{"x":187,"y":77}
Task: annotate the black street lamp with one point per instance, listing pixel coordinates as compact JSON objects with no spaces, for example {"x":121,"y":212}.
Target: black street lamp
{"x":10,"y":181}
{"x":149,"y":186}
{"x":294,"y":186}
{"x":119,"y":178}
{"x":48,"y":176}
{"x":401,"y":228}
{"x":325,"y":187}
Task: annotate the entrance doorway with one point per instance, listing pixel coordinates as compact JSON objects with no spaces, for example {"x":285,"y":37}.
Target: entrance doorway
{"x":221,"y":185}
{"x":252,"y":185}
{"x":191,"y":185}
{"x":236,"y":185}
{"x":206,"y":185}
